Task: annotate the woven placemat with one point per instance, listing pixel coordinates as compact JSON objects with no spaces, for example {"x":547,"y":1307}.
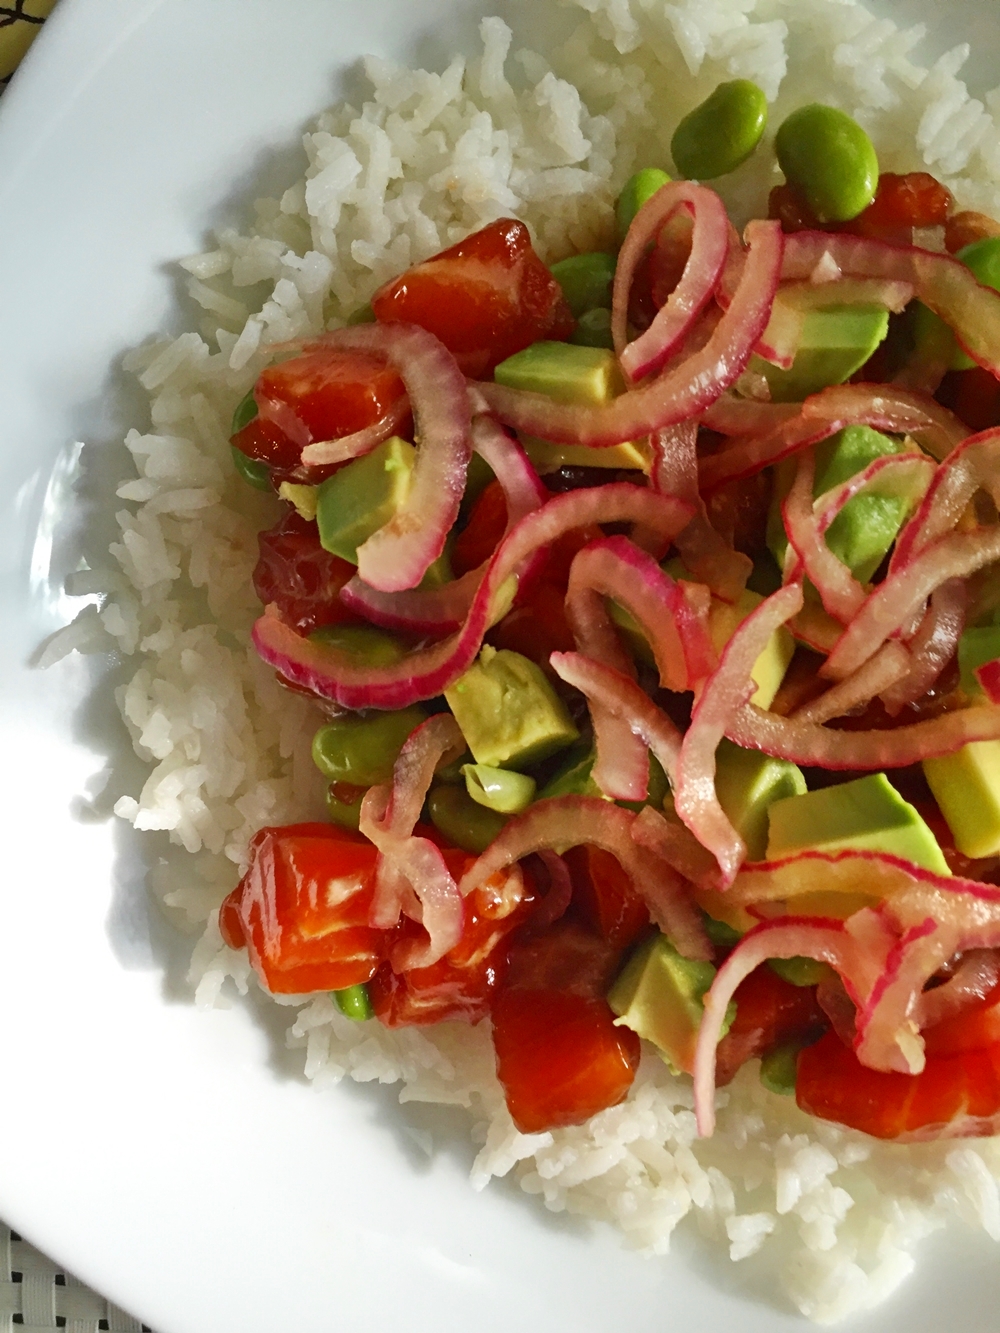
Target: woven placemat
{"x":36,"y":1294}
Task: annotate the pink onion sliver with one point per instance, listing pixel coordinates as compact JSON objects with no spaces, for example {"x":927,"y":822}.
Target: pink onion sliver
{"x":676,"y":845}
{"x":618,"y":694}
{"x":284,"y":417}
{"x":730,"y":415}
{"x":560,"y":894}
{"x":890,"y":408}
{"x":568,"y":821}
{"x":428,"y":671}
{"x":721,"y":698}
{"x":439,"y":610}
{"x":780,"y":340}
{"x":971,"y":982}
{"x":675,"y":461}
{"x":889,"y":665}
{"x":895,"y":747}
{"x":988,"y":676}
{"x":889,"y":607}
{"x":940,"y":281}
{"x":361,"y":442}
{"x":709,"y":248}
{"x":932,"y":646}
{"x":791,"y":937}
{"x":973,"y":463}
{"x":399,"y":554}
{"x":680,"y":392}
{"x":840,"y":592}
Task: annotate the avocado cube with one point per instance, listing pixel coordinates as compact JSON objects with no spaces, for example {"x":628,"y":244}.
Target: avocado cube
{"x":565,"y":372}
{"x":363,"y":496}
{"x":509,"y":714}
{"x":866,"y":527}
{"x":769,"y":669}
{"x":835,"y":342}
{"x":747,"y":783}
{"x":866,"y":814}
{"x":548,"y":457}
{"x":659,"y":996}
{"x":976,"y":647}
{"x":966,"y":786}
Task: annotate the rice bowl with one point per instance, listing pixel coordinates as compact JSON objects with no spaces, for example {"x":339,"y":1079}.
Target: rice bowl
{"x":773,"y":1177}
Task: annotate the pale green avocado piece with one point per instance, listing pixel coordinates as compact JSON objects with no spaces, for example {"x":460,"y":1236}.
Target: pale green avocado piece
{"x":835,"y":343}
{"x":509,"y":714}
{"x":363,"y":496}
{"x":747,"y":783}
{"x":867,"y":814}
{"x":573,"y":778}
{"x":564,"y":371}
{"x":659,"y":996}
{"x":866,"y":527}
{"x":548,"y":457}
{"x":966,"y":786}
{"x":976,"y":647}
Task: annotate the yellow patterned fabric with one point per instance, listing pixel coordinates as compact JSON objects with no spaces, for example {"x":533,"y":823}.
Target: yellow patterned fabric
{"x":19,"y":25}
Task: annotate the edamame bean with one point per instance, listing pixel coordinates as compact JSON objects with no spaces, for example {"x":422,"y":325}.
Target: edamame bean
{"x":498,"y":789}
{"x":343,"y":812}
{"x":363,"y":315}
{"x":799,"y":971}
{"x":716,"y":137}
{"x":640,"y":187}
{"x":369,"y":647}
{"x":362,"y":750}
{"x":353,"y":1002}
{"x":586,"y":281}
{"x":829,"y":159}
{"x":465,"y":824}
{"x":778,"y":1069}
{"x":244,"y":413}
{"x":254,"y":472}
{"x":593,"y":329}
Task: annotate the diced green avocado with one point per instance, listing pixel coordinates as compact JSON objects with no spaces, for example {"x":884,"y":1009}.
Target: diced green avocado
{"x":769,"y":669}
{"x":835,"y":343}
{"x":799,"y":971}
{"x":573,"y":778}
{"x":509,"y":714}
{"x":867,"y":814}
{"x":565,"y":372}
{"x":976,"y":647}
{"x":363,"y":496}
{"x":586,"y":281}
{"x":866,"y":527}
{"x":659,"y":996}
{"x":301,"y":498}
{"x":747,"y":783}
{"x":548,"y":457}
{"x":966,"y":786}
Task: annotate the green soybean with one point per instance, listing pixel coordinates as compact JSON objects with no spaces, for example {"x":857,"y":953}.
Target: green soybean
{"x":720,"y":933}
{"x":363,"y":315}
{"x":346,"y":814}
{"x":363,"y":750}
{"x":778,"y":1069}
{"x":799,"y":971}
{"x":369,"y":647}
{"x":721,"y":133}
{"x":593,"y":329}
{"x":640,"y":187}
{"x":829,"y":159}
{"x":498,"y":789}
{"x":353,"y":1002}
{"x":465,"y":824}
{"x":245,"y":411}
{"x":254,"y":472}
{"x":586,"y":281}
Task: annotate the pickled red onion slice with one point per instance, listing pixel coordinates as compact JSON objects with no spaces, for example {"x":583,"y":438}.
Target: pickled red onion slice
{"x":886,"y":668}
{"x":426,"y":672}
{"x":941,"y":282}
{"x":361,"y":442}
{"x":560,"y":822}
{"x":399,"y":554}
{"x":794,"y":300}
{"x":720,"y":700}
{"x":709,"y":248}
{"x":973,"y":463}
{"x":439,"y":610}
{"x":932,"y":646}
{"x":894,"y":747}
{"x":972,"y":981}
{"x":680,"y":392}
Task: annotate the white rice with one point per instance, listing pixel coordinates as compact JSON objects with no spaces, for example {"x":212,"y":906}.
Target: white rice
{"x":428,"y":159}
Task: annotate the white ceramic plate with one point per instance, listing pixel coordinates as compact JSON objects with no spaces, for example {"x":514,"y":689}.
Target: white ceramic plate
{"x":176,"y":1159}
